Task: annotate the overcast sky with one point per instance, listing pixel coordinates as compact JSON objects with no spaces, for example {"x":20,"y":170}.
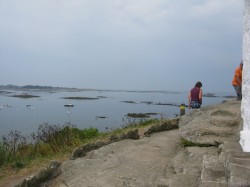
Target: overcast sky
{"x":121,"y":44}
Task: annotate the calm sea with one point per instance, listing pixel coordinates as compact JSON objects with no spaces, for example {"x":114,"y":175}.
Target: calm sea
{"x":107,"y":112}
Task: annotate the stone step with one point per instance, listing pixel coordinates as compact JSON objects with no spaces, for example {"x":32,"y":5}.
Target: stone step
{"x":213,"y":172}
{"x":181,"y":180}
{"x":213,"y":184}
{"x":237,"y":168}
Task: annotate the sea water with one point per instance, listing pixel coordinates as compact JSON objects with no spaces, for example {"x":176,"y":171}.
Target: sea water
{"x":107,"y":112}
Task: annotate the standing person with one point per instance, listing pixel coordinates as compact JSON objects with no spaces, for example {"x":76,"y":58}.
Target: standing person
{"x":237,"y":81}
{"x":195,"y":96}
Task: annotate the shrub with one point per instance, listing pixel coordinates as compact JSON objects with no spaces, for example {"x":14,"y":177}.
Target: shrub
{"x":2,"y":154}
{"x":18,"y":164}
{"x":43,"y":149}
{"x":86,"y":133}
{"x":12,"y":141}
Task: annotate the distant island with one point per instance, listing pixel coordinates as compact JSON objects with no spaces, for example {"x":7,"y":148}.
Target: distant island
{"x":8,"y":89}
{"x":33,"y":87}
{"x":25,"y":96}
{"x":209,"y":95}
{"x":4,"y":89}
{"x":81,"y":98}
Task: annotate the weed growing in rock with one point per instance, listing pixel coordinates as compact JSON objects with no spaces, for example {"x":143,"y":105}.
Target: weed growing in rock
{"x":187,"y":143}
{"x":135,"y":122}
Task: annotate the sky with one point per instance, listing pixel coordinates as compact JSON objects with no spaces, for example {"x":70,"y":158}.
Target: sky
{"x":121,"y":44}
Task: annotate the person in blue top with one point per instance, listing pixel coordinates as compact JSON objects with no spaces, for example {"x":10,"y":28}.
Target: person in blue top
{"x":195,"y":96}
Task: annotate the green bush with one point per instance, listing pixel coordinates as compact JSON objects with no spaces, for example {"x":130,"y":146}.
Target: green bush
{"x":15,"y":149}
{"x":18,"y":164}
{"x":149,"y":122}
{"x":86,"y":133}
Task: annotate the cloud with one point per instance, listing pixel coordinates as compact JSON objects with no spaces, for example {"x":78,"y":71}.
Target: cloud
{"x":118,"y":41}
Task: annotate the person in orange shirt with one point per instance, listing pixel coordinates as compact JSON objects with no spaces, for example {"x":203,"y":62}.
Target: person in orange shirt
{"x":237,"y":81}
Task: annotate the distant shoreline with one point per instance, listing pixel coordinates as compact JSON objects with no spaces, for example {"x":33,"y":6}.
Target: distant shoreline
{"x":51,"y":88}
{"x":5,"y":89}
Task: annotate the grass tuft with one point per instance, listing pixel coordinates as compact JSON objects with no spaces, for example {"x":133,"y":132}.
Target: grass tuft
{"x":187,"y":143}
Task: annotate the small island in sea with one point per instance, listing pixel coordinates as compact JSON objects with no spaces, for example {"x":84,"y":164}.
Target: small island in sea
{"x":81,"y":98}
{"x":25,"y":96}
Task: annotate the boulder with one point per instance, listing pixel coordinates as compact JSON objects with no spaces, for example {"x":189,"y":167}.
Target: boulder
{"x":83,"y":150}
{"x":45,"y":174}
{"x":133,"y":134}
{"x":169,"y":124}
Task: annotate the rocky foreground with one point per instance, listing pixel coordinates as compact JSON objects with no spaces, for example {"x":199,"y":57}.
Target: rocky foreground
{"x":201,"y":149}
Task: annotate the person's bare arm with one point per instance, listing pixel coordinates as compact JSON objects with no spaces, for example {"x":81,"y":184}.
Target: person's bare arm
{"x":189,"y":99}
{"x":200,"y":96}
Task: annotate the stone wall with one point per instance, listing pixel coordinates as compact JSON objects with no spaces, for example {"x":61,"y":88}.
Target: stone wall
{"x":245,"y":107}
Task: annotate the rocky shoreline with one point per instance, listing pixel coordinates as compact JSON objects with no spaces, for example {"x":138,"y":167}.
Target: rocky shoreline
{"x":204,"y":152}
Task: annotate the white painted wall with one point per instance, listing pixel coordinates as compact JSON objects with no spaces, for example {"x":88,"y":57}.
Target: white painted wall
{"x":245,"y":105}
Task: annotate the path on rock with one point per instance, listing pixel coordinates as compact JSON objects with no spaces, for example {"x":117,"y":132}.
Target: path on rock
{"x":125,"y":163}
{"x":211,"y":139}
